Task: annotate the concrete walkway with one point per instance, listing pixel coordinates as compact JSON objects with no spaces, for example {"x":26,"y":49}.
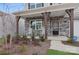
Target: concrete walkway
{"x":63,"y":38}
{"x":58,"y":45}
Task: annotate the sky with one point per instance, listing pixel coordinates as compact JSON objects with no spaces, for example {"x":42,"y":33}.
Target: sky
{"x":11,"y":7}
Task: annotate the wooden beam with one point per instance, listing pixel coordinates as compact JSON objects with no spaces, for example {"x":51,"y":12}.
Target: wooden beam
{"x":70,"y":12}
{"x":35,"y":17}
{"x":17,"y":24}
{"x":42,"y":17}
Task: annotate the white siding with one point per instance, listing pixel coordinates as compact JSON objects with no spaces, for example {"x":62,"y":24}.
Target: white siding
{"x":76,"y":28}
{"x":26,"y":6}
{"x":7,"y":25}
{"x":46,"y":4}
{"x":1,"y":28}
{"x":21,"y":26}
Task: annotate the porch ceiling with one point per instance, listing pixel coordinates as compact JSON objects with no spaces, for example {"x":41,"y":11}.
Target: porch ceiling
{"x":56,"y":10}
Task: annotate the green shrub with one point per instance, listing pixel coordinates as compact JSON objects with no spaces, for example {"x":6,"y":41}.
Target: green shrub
{"x":69,"y":40}
{"x":8,"y":38}
{"x":22,"y":48}
{"x":4,"y":52}
{"x":24,"y":37}
{"x":2,"y":40}
{"x":18,"y":36}
{"x":42,"y":38}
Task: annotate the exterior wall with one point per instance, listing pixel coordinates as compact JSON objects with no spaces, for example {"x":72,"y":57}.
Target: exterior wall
{"x":76,"y":28}
{"x":76,"y":13}
{"x":21,"y":26}
{"x":28,"y":29}
{"x":1,"y":27}
{"x":26,"y":6}
{"x":7,"y":25}
{"x":63,"y":27}
{"x":46,"y":4}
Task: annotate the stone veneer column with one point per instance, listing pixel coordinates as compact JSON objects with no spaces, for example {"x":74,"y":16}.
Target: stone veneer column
{"x":64,"y":27}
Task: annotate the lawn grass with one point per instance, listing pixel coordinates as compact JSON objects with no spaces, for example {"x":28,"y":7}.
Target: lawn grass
{"x":56,"y":52}
{"x":2,"y":40}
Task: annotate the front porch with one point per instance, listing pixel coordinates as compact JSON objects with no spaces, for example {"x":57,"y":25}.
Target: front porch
{"x":52,"y":20}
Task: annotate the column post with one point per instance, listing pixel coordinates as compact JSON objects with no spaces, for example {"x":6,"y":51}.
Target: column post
{"x":70,"y":12}
{"x":17,"y":24}
{"x":45,"y":22}
{"x":26,"y":26}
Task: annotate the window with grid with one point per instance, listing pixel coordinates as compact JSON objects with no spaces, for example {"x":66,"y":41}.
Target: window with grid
{"x":39,"y":5}
{"x":32,"y":5}
{"x":35,"y":5}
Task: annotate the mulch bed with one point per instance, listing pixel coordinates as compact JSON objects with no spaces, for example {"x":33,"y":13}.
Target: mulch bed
{"x":71,"y":44}
{"x":27,"y":49}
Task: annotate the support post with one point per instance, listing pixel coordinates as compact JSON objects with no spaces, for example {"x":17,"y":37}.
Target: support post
{"x":17,"y":24}
{"x":45,"y":22}
{"x":26,"y":26}
{"x":70,"y":12}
